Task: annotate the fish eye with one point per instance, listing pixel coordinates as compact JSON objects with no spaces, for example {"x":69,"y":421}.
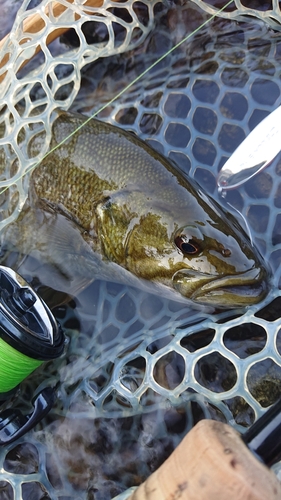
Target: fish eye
{"x":186,"y":245}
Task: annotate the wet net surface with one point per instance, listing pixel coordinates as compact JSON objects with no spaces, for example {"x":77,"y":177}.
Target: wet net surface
{"x":139,"y":371}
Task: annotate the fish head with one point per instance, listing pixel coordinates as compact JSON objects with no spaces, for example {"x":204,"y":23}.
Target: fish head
{"x":205,"y":257}
{"x":221,"y":266}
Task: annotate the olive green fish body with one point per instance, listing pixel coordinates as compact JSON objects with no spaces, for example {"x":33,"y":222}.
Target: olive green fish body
{"x":105,"y":204}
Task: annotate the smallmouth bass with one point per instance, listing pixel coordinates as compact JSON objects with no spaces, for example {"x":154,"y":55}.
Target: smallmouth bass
{"x":106,"y":205}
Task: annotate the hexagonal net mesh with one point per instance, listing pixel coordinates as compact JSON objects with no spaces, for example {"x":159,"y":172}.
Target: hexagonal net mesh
{"x":268,"y":12}
{"x":139,"y":370}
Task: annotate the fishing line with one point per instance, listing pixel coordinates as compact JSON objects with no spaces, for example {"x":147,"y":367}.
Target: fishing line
{"x":28,"y":170}
{"x":247,"y":227}
{"x":14,"y":366}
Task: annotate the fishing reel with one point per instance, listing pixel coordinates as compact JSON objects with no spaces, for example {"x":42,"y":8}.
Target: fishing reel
{"x":29,"y":335}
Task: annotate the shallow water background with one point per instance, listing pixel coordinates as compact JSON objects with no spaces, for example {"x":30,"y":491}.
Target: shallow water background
{"x":139,"y":371}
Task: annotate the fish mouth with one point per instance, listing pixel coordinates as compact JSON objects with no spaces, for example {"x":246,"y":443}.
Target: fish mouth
{"x":237,"y":290}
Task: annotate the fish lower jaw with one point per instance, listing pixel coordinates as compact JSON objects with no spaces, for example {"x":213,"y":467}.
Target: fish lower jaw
{"x":234,"y":291}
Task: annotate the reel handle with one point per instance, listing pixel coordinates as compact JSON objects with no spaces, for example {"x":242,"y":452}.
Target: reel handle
{"x":13,"y":424}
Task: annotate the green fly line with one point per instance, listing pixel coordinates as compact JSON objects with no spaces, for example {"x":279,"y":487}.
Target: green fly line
{"x":14,"y":366}
{"x":119,"y":94}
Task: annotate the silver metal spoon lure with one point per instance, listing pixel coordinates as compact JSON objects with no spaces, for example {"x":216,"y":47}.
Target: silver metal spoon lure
{"x":257,"y":151}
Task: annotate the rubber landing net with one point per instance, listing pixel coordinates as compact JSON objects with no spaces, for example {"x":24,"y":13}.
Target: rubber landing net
{"x":139,"y":371}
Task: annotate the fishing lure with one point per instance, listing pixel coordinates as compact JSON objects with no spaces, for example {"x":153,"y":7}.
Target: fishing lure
{"x":255,"y":153}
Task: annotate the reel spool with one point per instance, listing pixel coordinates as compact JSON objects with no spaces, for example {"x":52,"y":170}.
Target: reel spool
{"x":29,"y":335}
